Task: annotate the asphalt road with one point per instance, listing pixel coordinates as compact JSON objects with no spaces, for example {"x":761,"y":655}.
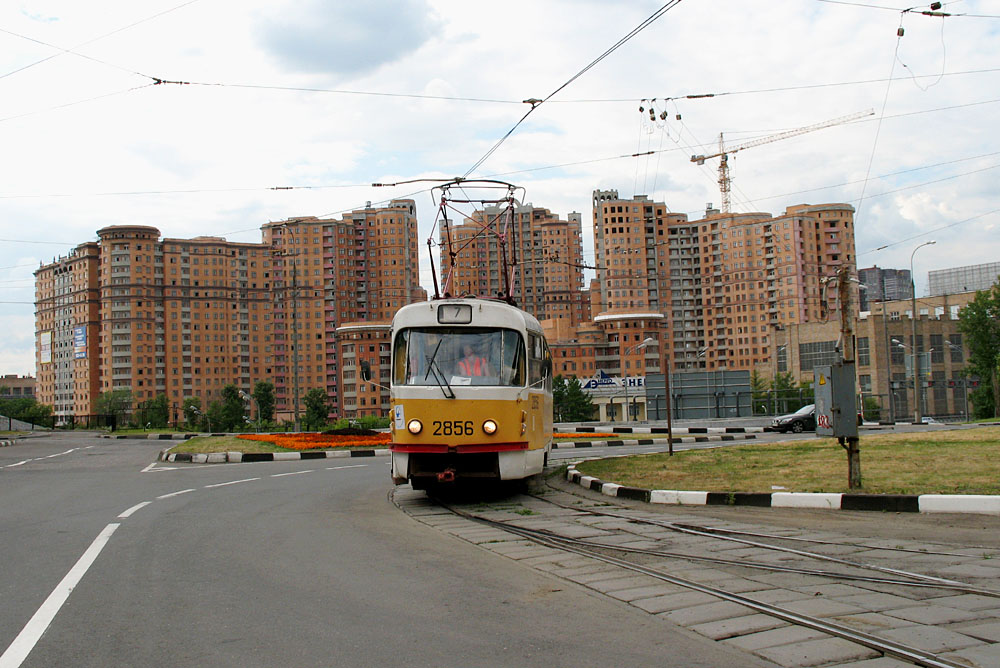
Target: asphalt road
{"x":108,"y":561}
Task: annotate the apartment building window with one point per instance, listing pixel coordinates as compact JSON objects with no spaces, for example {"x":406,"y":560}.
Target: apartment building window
{"x":864,"y":352}
{"x":816,"y":354}
{"x":957,"y":354}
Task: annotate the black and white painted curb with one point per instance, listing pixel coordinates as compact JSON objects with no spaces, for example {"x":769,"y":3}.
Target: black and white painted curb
{"x":652,"y":441}
{"x":246,"y":457}
{"x":898,"y":503}
{"x":660,"y":430}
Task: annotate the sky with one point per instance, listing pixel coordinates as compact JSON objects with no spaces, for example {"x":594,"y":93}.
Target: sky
{"x":322,"y":99}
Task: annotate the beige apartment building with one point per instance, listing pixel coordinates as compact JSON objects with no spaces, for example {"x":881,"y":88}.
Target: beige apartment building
{"x":185,"y":317}
{"x":548,"y":281}
{"x":884,"y":354}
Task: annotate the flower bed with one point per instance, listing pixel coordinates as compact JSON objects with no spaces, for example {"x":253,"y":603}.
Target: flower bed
{"x":318,"y":441}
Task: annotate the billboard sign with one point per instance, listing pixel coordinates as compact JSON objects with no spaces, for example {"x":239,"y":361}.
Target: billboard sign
{"x":79,"y":342}
{"x":45,"y":347}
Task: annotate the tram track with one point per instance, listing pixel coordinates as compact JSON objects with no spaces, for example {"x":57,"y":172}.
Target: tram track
{"x":630,"y":559}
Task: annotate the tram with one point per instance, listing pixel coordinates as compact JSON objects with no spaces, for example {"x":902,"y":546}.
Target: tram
{"x":471,"y":377}
{"x":471,"y":393}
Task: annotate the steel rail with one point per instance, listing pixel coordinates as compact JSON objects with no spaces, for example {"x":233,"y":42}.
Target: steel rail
{"x":887,"y":647}
{"x":699,"y":531}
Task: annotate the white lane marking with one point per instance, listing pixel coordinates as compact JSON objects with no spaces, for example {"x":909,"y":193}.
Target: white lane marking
{"x":10,"y":466}
{"x":354,"y":466}
{"x":281,"y":475}
{"x":138,"y":506}
{"x":146,"y":470}
{"x":59,"y":454}
{"x":231,"y":482}
{"x":26,"y":640}
{"x":167,"y":496}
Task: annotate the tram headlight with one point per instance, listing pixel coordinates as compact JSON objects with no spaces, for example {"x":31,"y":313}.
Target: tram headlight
{"x":414,"y":426}
{"x":490,"y":427}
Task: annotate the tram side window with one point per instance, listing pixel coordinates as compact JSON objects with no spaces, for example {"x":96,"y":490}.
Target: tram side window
{"x":536,"y":358}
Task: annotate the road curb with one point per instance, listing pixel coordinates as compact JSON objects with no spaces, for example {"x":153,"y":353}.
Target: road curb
{"x":660,"y":430}
{"x":897,"y":503}
{"x":249,"y":457}
{"x":653,"y":441}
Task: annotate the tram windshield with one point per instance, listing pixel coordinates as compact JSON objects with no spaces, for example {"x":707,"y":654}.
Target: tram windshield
{"x":458,"y":356}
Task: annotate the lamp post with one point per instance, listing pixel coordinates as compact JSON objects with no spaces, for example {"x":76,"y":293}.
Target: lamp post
{"x":965,"y":381}
{"x":249,"y":399}
{"x":888,"y":361}
{"x":647,"y":342}
{"x":917,"y":413}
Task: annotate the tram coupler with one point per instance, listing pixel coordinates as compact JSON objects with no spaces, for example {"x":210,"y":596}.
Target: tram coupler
{"x":448,"y":475}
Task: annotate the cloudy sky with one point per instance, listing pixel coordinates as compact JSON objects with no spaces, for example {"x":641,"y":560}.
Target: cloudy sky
{"x":329,"y":97}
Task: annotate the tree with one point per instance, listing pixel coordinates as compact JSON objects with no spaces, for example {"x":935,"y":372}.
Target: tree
{"x":232,"y":408}
{"x":263,"y":394}
{"x":116,"y":402}
{"x":569,"y":402}
{"x":215,"y":417}
{"x":26,"y":409}
{"x":979,"y":321}
{"x":317,"y":409}
{"x":154,"y":412}
{"x":558,"y":398}
{"x":579,"y":406}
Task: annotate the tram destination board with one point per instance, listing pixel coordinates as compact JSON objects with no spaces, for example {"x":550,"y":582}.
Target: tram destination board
{"x":835,"y":412}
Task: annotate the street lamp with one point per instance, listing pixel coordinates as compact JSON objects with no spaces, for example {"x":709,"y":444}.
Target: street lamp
{"x":249,"y":399}
{"x":647,"y":342}
{"x":965,"y":381}
{"x":917,"y":416}
{"x":914,"y":356}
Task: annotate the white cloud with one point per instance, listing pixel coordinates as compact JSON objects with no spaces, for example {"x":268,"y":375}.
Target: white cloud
{"x":223,"y":146}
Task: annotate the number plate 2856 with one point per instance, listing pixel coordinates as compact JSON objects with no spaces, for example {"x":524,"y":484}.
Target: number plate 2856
{"x":453,"y":427}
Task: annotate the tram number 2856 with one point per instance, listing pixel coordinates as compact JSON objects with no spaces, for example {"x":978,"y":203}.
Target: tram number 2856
{"x":453,"y":428}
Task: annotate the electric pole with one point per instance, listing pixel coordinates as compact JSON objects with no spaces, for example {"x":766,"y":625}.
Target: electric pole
{"x":850,"y":443}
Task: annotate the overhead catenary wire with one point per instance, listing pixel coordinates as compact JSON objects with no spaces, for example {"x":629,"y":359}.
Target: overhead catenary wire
{"x":537,"y":103}
{"x":91,"y":41}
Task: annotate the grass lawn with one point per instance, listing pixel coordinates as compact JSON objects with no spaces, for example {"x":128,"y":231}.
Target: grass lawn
{"x":943,"y":462}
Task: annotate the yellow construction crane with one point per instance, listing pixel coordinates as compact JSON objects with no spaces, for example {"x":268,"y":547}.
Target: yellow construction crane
{"x":724,"y":152}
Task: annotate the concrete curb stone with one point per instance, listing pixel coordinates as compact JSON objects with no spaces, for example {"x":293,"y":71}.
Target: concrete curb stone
{"x":652,"y":441}
{"x":248,"y":457}
{"x":899,"y":503}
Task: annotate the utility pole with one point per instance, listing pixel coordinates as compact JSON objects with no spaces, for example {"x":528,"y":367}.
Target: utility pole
{"x":852,"y":444}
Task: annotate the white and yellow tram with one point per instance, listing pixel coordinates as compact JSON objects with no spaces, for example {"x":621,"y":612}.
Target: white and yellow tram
{"x":471,"y":392}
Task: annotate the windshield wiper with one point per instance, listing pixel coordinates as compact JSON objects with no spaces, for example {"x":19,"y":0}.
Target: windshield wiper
{"x":438,"y":375}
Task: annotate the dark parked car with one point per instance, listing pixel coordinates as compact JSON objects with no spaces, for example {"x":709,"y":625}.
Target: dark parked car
{"x":801,"y":420}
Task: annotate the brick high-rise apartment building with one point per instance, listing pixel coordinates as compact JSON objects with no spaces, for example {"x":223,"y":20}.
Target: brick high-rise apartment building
{"x":361,"y":268}
{"x":548,"y":280}
{"x":713,"y":289}
{"x":185,"y":317}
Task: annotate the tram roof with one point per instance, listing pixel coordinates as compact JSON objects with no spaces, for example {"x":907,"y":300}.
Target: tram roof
{"x":497,"y":313}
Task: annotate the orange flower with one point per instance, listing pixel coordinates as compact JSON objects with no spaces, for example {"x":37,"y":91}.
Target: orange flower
{"x":317,"y":441}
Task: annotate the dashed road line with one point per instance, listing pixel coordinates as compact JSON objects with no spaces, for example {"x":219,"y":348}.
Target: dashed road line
{"x":231,"y":482}
{"x":353,"y":466}
{"x":282,"y":475}
{"x":38,"y":459}
{"x":167,"y":496}
{"x":139,"y":506}
{"x":18,"y":651}
{"x":26,"y":640}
